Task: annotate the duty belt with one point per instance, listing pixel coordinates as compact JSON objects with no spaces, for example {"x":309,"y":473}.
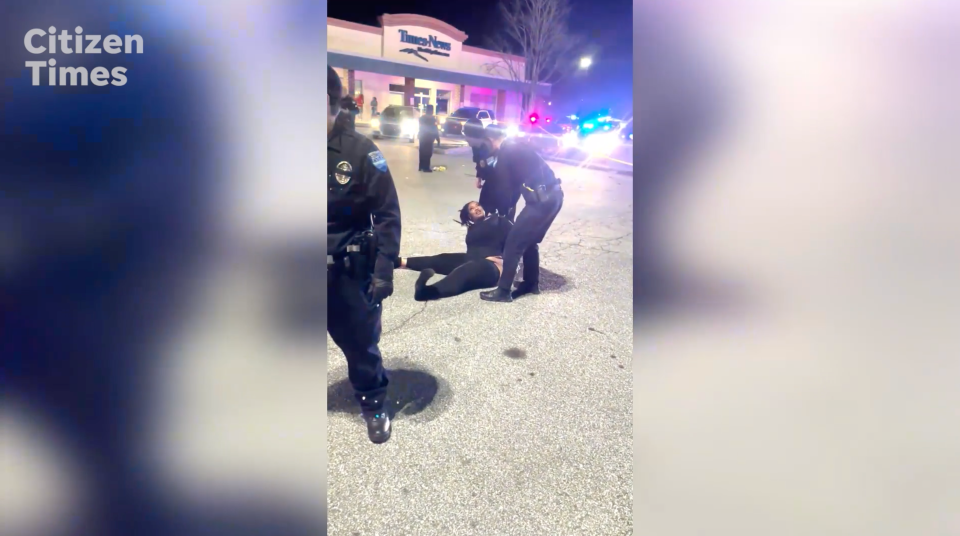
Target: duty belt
{"x":539,"y":193}
{"x":343,"y":258}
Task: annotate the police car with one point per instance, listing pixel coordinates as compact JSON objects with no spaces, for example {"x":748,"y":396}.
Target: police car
{"x":596,"y":135}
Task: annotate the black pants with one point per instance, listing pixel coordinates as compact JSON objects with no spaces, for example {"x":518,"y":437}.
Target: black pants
{"x":529,"y":230}
{"x":426,"y":152}
{"x":463,"y":274}
{"x":353,"y":322}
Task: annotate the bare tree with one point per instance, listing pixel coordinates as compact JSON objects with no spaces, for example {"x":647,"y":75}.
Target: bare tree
{"x":537,"y":32}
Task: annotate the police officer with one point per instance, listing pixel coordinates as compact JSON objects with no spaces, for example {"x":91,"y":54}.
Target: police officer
{"x":427,"y":134}
{"x":363,"y":239}
{"x":495,"y":195}
{"x":518,"y":164}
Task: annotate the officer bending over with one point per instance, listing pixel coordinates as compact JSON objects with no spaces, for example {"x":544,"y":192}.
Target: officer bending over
{"x":518,"y":164}
{"x":363,"y":239}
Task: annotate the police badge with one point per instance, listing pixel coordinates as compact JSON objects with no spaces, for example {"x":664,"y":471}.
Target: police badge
{"x":346,"y":168}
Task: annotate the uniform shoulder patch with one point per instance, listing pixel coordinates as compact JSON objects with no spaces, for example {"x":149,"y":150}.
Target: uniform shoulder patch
{"x":376,"y":157}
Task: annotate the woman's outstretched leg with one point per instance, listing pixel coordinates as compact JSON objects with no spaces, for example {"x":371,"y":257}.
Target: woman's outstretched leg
{"x":444,"y":263}
{"x":474,"y":275}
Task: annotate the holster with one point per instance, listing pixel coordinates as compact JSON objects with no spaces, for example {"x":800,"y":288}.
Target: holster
{"x":538,"y":194}
{"x":359,"y":260}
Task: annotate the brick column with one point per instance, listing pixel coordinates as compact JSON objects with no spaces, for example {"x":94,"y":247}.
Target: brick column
{"x":351,"y":86}
{"x":409,"y":84}
{"x":501,"y":104}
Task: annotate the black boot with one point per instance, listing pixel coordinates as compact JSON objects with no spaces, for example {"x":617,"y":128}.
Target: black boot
{"x":378,"y":425}
{"x":527,"y":287}
{"x":421,"y":292}
{"x":496,"y":295}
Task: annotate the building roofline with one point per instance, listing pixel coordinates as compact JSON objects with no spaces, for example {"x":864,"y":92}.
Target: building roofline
{"x":423,"y":21}
{"x":392,"y":67}
{"x":354,"y":26}
{"x":379,"y":31}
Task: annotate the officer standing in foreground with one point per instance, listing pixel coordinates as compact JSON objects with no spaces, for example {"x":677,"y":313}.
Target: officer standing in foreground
{"x":363,"y":239}
{"x":518,"y":164}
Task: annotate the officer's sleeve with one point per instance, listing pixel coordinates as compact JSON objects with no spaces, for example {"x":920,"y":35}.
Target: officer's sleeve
{"x":385,"y":211}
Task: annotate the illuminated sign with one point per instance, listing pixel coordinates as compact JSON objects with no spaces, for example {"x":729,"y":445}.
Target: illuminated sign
{"x":424,"y":45}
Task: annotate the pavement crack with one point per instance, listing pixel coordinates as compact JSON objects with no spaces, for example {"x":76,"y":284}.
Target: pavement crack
{"x":407,"y":321}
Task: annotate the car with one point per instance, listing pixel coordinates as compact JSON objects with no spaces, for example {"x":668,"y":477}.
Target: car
{"x":397,"y":122}
{"x":453,"y":126}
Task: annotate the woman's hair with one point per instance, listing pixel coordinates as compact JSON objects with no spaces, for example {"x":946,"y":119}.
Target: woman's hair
{"x":465,"y":215}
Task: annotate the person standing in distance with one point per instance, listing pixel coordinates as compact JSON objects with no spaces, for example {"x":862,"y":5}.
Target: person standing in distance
{"x":427,"y":133}
{"x":518,"y":164}
{"x":363,"y":240}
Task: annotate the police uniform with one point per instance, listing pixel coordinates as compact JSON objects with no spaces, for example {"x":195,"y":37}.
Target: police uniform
{"x":427,"y":135}
{"x":518,"y":165}
{"x":363,"y":239}
{"x":495,"y":195}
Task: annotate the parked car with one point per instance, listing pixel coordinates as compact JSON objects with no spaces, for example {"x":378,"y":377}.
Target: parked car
{"x":453,"y":126}
{"x":397,"y":122}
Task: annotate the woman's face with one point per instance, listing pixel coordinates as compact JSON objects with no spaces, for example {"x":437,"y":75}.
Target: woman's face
{"x":476,"y":211}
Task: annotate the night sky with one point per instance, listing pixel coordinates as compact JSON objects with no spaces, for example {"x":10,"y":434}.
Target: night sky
{"x":609,"y":36}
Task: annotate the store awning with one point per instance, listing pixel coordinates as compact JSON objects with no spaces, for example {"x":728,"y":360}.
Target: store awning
{"x":393,"y":68}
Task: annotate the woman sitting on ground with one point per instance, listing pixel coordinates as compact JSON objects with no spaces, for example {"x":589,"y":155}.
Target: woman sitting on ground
{"x":478,"y":268}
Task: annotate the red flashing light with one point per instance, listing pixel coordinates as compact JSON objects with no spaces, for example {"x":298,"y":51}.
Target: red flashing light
{"x":534,"y":118}
{"x":547,"y":120}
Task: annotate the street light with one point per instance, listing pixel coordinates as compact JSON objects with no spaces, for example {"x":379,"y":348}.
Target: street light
{"x":585,"y":62}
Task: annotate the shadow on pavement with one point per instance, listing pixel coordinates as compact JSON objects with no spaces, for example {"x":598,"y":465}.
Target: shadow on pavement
{"x":550,"y":281}
{"x":553,"y":282}
{"x":412,"y":393}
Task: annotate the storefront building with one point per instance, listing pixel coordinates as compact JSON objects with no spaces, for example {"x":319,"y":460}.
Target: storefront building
{"x":417,"y":60}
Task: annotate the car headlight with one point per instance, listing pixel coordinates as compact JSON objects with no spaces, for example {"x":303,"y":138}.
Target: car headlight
{"x":569,"y":139}
{"x":601,"y":143}
{"x":375,"y":123}
{"x":410,"y":126}
{"x":512,"y":130}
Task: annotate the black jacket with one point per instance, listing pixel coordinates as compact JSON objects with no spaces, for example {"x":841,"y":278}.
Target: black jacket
{"x":428,"y":128}
{"x":359,"y":185}
{"x":487,"y":237}
{"x":519,"y":164}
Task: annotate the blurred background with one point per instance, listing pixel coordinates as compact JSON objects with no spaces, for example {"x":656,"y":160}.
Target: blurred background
{"x":798,"y":257}
{"x":157,"y":377}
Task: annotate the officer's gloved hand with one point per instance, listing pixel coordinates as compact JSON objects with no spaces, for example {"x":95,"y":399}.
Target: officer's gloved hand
{"x":382,"y":285}
{"x":380,"y":289}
